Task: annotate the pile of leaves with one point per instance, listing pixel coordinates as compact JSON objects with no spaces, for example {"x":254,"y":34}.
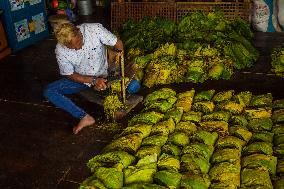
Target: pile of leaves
{"x":196,"y":139}
{"x":111,"y":104}
{"x":277,"y":62}
{"x":199,"y":47}
{"x":147,"y":34}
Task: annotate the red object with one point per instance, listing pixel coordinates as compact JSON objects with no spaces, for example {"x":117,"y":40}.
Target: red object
{"x":55,"y":4}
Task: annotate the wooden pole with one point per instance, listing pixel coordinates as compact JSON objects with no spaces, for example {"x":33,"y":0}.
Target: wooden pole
{"x":123,"y":90}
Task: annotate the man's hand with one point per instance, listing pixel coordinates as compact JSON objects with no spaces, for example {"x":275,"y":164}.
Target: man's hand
{"x":119,"y":45}
{"x":101,"y":84}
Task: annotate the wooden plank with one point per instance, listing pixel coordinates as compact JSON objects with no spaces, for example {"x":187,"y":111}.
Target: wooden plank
{"x":95,"y":97}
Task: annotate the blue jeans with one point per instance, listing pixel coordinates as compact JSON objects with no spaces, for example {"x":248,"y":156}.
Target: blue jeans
{"x":55,"y":92}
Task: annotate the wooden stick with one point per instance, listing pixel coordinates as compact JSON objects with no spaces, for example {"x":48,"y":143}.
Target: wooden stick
{"x":123,"y":79}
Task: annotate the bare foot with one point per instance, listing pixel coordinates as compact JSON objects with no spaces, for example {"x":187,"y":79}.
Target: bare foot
{"x":85,"y":122}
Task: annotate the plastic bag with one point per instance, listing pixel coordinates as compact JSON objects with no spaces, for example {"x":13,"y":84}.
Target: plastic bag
{"x":262,"y":15}
{"x":276,"y":11}
{"x":280,"y":5}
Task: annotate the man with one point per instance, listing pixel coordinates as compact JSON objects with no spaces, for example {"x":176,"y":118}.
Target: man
{"x":82,"y":60}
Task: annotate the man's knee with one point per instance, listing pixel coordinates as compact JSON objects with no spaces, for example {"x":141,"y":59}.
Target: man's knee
{"x":48,"y":92}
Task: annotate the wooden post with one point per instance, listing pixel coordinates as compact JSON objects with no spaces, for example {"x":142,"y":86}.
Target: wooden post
{"x":123,"y":90}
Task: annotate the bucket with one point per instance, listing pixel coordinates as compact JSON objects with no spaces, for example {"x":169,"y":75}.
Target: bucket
{"x":85,"y":7}
{"x":133,"y":86}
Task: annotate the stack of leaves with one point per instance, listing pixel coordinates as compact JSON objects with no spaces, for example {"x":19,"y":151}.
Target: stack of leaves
{"x":147,"y":34}
{"x":163,"y":66}
{"x":278,"y":131}
{"x":258,"y":162}
{"x":200,"y":47}
{"x":112,"y":104}
{"x":277,"y":61}
{"x":195,"y":160}
{"x":196,"y":140}
{"x":161,"y":100}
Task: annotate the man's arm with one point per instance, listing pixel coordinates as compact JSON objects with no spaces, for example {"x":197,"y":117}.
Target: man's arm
{"x":119,"y":45}
{"x":80,"y":78}
{"x":100,"y":83}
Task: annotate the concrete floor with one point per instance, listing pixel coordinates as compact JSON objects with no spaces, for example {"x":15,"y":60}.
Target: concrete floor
{"x":37,"y":147}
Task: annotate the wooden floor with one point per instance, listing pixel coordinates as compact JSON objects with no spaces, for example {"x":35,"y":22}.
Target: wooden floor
{"x":37,"y":147}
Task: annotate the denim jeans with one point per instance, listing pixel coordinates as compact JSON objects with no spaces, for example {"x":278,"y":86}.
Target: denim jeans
{"x":55,"y":92}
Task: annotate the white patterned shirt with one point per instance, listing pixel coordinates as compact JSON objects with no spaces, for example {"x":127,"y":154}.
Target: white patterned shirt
{"x":91,"y":58}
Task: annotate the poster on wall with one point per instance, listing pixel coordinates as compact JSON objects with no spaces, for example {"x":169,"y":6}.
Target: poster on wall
{"x":33,"y":2}
{"x":17,"y":4}
{"x":22,"y":30}
{"x":39,"y":23}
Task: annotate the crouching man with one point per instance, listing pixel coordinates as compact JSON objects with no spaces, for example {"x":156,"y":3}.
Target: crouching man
{"x":82,"y":61}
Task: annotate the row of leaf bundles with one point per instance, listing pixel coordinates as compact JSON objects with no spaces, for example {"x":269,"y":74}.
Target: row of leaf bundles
{"x":190,"y":159}
{"x":212,"y":121}
{"x":278,"y":130}
{"x":254,"y":131}
{"x":161,"y":100}
{"x":181,"y":134}
{"x":139,"y":127}
{"x":137,"y":133}
{"x":226,"y":163}
{"x":140,"y":175}
{"x":205,"y":101}
{"x":163,"y":169}
{"x":238,"y":126}
{"x":208,"y":101}
{"x":114,"y":167}
{"x":258,"y":156}
{"x":195,"y":159}
{"x":121,"y":163}
{"x":227,"y":157}
{"x":174,"y":158}
{"x":226,"y":110}
{"x":169,"y":179}
{"x":165,"y":98}
{"x":258,"y":164}
{"x":245,"y":98}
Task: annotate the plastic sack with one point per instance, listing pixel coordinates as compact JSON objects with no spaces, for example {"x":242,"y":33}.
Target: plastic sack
{"x":275,"y":20}
{"x":262,"y":16}
{"x":133,"y":86}
{"x":280,"y":6}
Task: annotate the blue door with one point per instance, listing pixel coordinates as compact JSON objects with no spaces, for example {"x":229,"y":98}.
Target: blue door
{"x":25,"y":22}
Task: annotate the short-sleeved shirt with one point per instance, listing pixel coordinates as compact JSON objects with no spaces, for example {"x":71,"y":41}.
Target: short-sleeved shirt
{"x":91,"y":58}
